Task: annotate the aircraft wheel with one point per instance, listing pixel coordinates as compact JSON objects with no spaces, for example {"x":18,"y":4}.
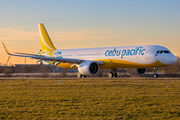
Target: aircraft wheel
{"x":79,"y":75}
{"x":115,"y":74}
{"x":155,"y":75}
{"x":83,"y":76}
{"x":110,"y":75}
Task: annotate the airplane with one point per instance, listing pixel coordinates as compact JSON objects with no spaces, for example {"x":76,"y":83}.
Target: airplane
{"x":89,"y":61}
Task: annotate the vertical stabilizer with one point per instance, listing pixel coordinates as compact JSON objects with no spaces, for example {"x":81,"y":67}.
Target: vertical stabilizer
{"x":46,"y":43}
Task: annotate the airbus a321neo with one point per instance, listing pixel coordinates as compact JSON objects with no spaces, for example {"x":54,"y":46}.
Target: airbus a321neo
{"x":89,"y":61}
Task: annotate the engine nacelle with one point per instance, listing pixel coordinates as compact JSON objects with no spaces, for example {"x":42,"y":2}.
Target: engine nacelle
{"x":88,"y":68}
{"x":136,"y":71}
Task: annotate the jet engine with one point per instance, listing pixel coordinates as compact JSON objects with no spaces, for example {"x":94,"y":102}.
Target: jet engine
{"x":136,"y":71}
{"x":88,"y":68}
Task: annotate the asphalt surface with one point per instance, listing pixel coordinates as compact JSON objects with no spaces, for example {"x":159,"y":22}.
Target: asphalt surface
{"x":74,"y":78}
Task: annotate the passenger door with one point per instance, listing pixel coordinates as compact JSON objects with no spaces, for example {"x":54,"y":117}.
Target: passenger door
{"x":147,"y":53}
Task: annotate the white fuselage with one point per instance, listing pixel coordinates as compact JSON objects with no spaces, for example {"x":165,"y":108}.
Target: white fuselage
{"x":130,"y":56}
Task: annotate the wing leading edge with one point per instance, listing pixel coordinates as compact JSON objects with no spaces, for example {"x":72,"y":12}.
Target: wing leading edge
{"x":56,"y":59}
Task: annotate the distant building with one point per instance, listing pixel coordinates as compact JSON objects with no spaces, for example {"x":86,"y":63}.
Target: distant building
{"x":32,"y":68}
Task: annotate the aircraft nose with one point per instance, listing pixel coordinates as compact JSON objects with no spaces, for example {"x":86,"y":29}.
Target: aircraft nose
{"x":173,"y":59}
{"x":168,"y":59}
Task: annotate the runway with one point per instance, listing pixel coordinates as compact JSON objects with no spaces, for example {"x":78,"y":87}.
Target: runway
{"x":74,"y":78}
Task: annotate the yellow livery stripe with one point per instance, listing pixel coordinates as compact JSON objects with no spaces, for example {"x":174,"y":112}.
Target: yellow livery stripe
{"x":111,"y":63}
{"x":126,"y":64}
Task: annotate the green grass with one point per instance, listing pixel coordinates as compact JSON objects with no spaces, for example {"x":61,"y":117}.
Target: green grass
{"x":90,"y":99}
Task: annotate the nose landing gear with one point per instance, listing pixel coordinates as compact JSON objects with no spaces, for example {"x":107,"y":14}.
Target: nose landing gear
{"x":155,"y":71}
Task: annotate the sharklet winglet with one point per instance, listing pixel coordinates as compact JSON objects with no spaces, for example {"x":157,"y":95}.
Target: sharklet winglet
{"x":6,"y":49}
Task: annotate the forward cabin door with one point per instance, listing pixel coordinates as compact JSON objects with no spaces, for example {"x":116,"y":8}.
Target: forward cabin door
{"x":147,"y":53}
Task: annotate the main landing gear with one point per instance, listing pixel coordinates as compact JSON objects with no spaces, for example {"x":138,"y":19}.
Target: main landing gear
{"x":112,"y":74}
{"x":155,"y":71}
{"x":80,"y":75}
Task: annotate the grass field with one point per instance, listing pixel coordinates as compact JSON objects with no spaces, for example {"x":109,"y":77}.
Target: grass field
{"x":90,"y":99}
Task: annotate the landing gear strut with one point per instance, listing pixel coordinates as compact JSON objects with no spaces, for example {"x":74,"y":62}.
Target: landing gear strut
{"x":112,"y":74}
{"x":155,"y":71}
{"x":80,"y":75}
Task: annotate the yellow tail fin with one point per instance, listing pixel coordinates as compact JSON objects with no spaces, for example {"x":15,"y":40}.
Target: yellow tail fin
{"x":46,"y":43}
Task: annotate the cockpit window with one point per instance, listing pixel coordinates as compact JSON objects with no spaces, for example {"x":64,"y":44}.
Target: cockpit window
{"x":166,"y":51}
{"x":157,"y":52}
{"x":163,"y":51}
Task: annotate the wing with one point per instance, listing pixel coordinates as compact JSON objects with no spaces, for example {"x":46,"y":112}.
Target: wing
{"x":42,"y":57}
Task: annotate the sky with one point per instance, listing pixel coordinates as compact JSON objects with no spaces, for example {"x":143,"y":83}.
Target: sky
{"x":88,"y":23}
